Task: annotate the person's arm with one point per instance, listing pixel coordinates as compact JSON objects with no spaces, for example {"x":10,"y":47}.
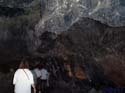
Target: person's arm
{"x":15,"y":77}
{"x":32,"y":82}
{"x":34,"y":88}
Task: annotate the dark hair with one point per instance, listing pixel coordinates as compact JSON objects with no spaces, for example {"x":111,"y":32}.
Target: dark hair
{"x":24,"y":64}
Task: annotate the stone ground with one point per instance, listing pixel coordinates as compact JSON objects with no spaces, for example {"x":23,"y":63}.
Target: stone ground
{"x":54,"y":90}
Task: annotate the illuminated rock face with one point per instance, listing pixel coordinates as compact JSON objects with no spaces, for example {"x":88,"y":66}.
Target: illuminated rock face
{"x":59,"y":15}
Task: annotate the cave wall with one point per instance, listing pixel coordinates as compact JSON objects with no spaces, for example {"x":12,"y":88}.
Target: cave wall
{"x":88,"y":46}
{"x":99,"y":44}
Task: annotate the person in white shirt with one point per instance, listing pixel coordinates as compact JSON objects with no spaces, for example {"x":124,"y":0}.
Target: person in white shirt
{"x":44,"y":78}
{"x":23,"y":79}
{"x":37,"y":71}
{"x":44,"y":74}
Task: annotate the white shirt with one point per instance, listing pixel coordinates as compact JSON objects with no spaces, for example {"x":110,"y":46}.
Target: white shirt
{"x":44,"y":74}
{"x":22,"y":81}
{"x":38,"y":72}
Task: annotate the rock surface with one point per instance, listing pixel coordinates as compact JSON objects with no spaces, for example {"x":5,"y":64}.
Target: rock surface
{"x":81,"y":48}
{"x":59,"y":15}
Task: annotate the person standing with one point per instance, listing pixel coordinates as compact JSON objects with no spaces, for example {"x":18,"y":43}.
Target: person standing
{"x":38,"y":76}
{"x":23,"y":79}
{"x":44,"y":78}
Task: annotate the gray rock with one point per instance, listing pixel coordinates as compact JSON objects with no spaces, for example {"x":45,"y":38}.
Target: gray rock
{"x":59,"y":15}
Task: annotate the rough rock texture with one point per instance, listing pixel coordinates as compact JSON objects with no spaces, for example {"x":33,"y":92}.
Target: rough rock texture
{"x":17,"y":32}
{"x":101,"y":43}
{"x":59,"y":15}
{"x":85,"y":50}
{"x":15,"y":3}
{"x":86,"y":40}
{"x":90,"y":45}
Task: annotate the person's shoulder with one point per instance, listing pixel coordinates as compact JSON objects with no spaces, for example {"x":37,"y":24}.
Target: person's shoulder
{"x":28,"y":71}
{"x":44,"y":69}
{"x":36,"y":69}
{"x":18,"y":70}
